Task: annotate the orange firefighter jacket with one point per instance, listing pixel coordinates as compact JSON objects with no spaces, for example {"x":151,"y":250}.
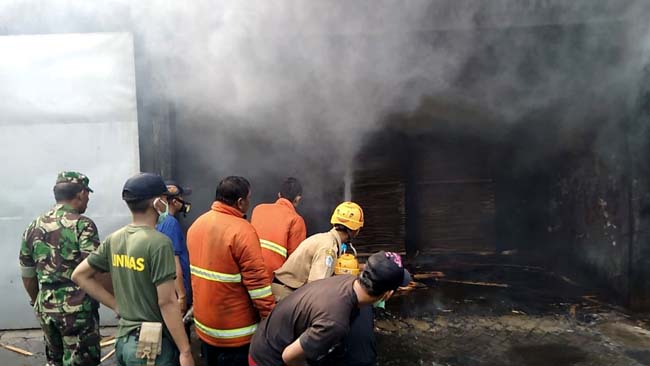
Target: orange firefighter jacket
{"x":232,"y":290}
{"x":280,"y":229}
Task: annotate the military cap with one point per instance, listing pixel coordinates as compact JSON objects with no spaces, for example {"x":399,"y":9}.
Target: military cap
{"x":74,"y":177}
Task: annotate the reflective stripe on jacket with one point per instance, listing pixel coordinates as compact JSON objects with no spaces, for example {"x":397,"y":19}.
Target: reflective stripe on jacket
{"x":280,"y":228}
{"x":232,"y":290}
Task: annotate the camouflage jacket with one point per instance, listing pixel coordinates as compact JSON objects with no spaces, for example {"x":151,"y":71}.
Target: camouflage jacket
{"x":52,"y":247}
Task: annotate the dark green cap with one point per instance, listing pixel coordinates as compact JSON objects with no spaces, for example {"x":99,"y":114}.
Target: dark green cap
{"x":74,"y":177}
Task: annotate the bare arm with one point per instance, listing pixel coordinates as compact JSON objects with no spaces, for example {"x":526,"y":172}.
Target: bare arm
{"x":180,"y":287}
{"x":294,"y":355}
{"x":87,"y":278}
{"x":172,"y":317}
{"x":106,"y":281}
{"x":88,"y":243}
{"x":31,"y":286}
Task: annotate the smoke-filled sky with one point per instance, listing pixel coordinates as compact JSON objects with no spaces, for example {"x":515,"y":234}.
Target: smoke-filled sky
{"x":343,"y":64}
{"x":272,"y":88}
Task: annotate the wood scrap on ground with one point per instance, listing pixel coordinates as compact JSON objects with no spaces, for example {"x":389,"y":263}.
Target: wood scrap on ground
{"x":106,"y":343}
{"x":592,"y":299}
{"x":108,"y":355}
{"x":105,"y":339}
{"x":427,"y":275}
{"x":16,"y":349}
{"x":488,"y":284}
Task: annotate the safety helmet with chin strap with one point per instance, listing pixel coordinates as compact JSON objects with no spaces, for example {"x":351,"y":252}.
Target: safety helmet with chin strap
{"x":348,"y":214}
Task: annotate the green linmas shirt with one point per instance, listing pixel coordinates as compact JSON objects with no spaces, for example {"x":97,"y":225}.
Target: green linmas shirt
{"x":139,"y":258}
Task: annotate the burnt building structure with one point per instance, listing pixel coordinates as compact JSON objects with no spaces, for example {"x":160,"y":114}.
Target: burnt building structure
{"x":533,"y":140}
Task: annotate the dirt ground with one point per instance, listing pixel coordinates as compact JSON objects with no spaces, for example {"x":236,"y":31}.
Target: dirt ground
{"x":513,"y":340}
{"x":503,"y":314}
{"x":479,"y":315}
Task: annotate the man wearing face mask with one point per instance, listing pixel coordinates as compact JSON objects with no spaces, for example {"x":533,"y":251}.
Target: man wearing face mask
{"x":52,"y":246}
{"x":172,"y":228}
{"x":141,"y":263}
{"x":231,"y":287}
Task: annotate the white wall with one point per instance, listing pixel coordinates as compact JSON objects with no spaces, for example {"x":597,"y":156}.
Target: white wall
{"x":67,"y":102}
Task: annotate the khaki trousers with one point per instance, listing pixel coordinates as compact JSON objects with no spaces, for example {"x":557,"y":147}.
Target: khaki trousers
{"x":280,"y":291}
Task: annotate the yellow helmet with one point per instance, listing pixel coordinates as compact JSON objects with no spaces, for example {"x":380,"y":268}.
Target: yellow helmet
{"x":348,"y":214}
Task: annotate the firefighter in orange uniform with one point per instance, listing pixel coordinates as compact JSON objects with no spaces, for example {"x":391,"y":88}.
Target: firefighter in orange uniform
{"x":279,"y":226}
{"x":231,"y":286}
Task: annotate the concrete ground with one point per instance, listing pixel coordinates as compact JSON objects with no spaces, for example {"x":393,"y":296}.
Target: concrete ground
{"x":32,"y":341}
{"x":479,"y":315}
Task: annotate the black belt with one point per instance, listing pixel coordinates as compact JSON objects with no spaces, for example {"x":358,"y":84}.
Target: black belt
{"x":56,"y":286}
{"x":135,"y":332}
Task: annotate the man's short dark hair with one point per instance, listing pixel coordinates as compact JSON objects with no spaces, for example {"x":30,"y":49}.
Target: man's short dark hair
{"x":342,"y":228}
{"x":139,"y":206}
{"x":66,"y":191}
{"x":291,"y":188}
{"x":231,"y":189}
{"x":367,"y":285}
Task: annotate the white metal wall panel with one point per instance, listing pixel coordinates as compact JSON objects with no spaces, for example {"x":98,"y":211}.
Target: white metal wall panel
{"x":67,"y":102}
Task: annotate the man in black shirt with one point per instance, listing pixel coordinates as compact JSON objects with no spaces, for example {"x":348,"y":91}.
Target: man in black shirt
{"x":307,"y":324}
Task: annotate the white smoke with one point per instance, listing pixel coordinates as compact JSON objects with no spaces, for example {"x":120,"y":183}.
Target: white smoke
{"x":266,"y":88}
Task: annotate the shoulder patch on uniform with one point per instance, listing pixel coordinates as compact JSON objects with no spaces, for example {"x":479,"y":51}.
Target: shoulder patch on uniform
{"x":330,"y":252}
{"x":329,"y":260}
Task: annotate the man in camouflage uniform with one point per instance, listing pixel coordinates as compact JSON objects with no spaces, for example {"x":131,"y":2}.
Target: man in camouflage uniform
{"x":52,"y":247}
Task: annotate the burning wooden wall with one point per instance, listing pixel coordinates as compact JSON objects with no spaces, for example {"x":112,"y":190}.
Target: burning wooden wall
{"x":453,"y":196}
{"x":379,"y":186}
{"x":425,"y":194}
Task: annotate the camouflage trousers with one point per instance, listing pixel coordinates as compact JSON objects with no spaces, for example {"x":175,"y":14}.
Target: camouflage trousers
{"x":71,"y":339}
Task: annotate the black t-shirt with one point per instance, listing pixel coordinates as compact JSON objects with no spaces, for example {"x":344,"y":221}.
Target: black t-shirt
{"x":318,"y":313}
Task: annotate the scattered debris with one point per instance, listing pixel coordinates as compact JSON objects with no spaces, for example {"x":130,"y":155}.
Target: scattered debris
{"x":388,"y":325}
{"x":418,"y":324}
{"x":411,"y":286}
{"x":592,"y":299}
{"x":569,"y":281}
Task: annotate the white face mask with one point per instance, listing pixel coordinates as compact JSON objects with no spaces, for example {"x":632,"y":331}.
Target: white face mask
{"x":161,"y":215}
